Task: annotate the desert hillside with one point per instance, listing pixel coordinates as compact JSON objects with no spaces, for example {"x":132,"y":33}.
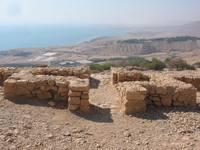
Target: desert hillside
{"x":132,"y":47}
{"x":36,"y":113}
{"x":181,"y":41}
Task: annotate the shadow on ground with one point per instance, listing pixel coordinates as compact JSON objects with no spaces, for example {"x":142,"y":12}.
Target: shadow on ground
{"x":97,"y":114}
{"x":160,"y":113}
{"x":94,"y":83}
{"x":41,"y":103}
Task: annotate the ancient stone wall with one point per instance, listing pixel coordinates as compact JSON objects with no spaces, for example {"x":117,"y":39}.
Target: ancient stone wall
{"x":80,"y":72}
{"x":25,"y":84}
{"x":79,"y":94}
{"x":160,"y":90}
{"x":192,"y":77}
{"x":122,"y":75}
{"x":5,"y":73}
{"x":132,"y":97}
{"x":166,"y":91}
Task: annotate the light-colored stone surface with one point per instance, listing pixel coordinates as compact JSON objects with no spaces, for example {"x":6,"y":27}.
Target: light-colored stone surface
{"x":50,"y":84}
{"x":160,"y":90}
{"x":123,"y":75}
{"x":192,"y":77}
{"x":80,"y":72}
{"x":5,"y":73}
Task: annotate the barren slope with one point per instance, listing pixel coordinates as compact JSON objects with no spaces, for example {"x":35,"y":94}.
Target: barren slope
{"x":36,"y":125}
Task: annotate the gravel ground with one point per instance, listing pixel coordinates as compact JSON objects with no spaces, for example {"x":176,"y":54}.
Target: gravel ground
{"x":29,"y":125}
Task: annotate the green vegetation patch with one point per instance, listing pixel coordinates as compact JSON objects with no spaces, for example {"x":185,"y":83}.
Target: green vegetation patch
{"x":100,"y":67}
{"x":169,"y":40}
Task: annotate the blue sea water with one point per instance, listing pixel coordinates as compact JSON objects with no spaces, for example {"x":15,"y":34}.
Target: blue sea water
{"x":35,"y":36}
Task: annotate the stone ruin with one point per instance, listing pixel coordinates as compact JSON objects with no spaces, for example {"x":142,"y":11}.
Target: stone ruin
{"x":139,"y":89}
{"x":5,"y":73}
{"x":58,"y":84}
{"x":191,"y":77}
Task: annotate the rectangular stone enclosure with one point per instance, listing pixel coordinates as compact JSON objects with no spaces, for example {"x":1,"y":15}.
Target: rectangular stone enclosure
{"x":139,"y":89}
{"x":58,"y":84}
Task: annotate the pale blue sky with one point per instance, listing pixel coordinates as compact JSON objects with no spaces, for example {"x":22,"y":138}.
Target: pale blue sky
{"x":108,"y":12}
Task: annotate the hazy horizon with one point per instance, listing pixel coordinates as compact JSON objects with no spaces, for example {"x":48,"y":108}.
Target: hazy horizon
{"x":43,"y":23}
{"x":94,"y":12}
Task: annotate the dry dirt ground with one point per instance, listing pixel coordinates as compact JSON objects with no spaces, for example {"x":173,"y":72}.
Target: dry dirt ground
{"x":30,"y":125}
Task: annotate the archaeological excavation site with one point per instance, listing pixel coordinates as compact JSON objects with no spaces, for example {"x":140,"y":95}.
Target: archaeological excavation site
{"x":136,"y":89}
{"x":75,"y":108}
{"x":64,"y":84}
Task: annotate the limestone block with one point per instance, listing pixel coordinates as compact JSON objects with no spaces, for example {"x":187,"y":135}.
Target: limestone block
{"x":136,"y":93}
{"x":74,"y":94}
{"x":114,"y":78}
{"x":161,"y":90}
{"x":61,"y":84}
{"x":75,"y":100}
{"x":79,"y":85}
{"x":9,"y":87}
{"x":121,"y":77}
{"x":135,"y":107}
{"x":44,"y":95}
{"x":85,"y":102}
{"x":51,"y":82}
{"x":166,"y":100}
{"x":85,"y":96}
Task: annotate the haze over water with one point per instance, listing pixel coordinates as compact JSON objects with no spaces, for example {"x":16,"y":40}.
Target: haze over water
{"x":37,"y":36}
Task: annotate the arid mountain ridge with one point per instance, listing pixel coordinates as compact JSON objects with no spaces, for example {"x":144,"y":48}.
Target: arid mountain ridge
{"x":162,"y":42}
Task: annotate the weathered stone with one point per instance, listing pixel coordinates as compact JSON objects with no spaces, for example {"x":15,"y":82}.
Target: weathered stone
{"x":158,"y":89}
{"x":75,"y":100}
{"x":166,"y":101}
{"x":122,"y":75}
{"x":114,"y":78}
{"x":84,"y":102}
{"x":84,"y":96}
{"x":44,"y":95}
{"x":132,"y":93}
{"x":79,"y":85}
{"x":161,"y":90}
{"x":61,"y":84}
{"x":135,"y":108}
{"x":74,"y":94}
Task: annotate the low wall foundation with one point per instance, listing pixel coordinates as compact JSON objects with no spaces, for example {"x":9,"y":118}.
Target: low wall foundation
{"x":155,"y":89}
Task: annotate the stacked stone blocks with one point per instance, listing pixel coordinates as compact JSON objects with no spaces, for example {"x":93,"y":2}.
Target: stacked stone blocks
{"x":45,"y":84}
{"x":151,"y":88}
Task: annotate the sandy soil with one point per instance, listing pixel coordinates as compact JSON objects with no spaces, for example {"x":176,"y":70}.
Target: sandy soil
{"x":33,"y":125}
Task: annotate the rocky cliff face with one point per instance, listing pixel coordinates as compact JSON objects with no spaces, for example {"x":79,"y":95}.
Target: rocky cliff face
{"x":144,"y":46}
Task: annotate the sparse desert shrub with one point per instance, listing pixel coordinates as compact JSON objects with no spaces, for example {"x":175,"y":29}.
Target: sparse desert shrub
{"x":180,"y":64}
{"x":139,"y":62}
{"x":100,"y":67}
{"x":156,"y":64}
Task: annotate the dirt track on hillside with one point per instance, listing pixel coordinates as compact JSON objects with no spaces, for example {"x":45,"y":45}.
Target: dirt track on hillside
{"x":36,"y":125}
